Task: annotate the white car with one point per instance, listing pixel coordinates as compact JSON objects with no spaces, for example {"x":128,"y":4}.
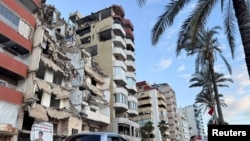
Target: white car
{"x":96,"y":136}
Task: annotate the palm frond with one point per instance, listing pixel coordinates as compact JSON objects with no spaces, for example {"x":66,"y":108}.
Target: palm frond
{"x":167,"y":18}
{"x":141,"y":3}
{"x":195,"y":22}
{"x":227,"y":64}
{"x":229,"y":24}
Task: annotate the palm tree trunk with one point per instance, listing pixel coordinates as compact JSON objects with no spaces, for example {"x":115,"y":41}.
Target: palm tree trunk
{"x":216,"y":94}
{"x":243,"y":18}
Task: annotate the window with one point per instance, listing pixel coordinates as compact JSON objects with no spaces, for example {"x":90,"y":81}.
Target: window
{"x":83,"y":30}
{"x":86,"y":40}
{"x":54,"y":102}
{"x":121,"y":98}
{"x":92,"y":50}
{"x":74,"y":131}
{"x":9,"y":15}
{"x":111,"y":138}
{"x":87,"y":138}
{"x":57,"y":78}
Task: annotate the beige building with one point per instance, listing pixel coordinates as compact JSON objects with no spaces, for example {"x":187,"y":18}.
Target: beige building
{"x":171,"y":110}
{"x":152,"y":107}
{"x":108,"y":37}
{"x":60,"y":89}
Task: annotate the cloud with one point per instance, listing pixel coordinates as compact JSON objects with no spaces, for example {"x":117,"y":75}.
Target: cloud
{"x":181,"y":68}
{"x":237,"y":107}
{"x":238,"y":99}
{"x":163,"y":64}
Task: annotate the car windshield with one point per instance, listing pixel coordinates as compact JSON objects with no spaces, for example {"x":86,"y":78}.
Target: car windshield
{"x":85,"y":138}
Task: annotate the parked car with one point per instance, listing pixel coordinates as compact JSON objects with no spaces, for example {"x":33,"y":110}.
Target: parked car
{"x":96,"y":136}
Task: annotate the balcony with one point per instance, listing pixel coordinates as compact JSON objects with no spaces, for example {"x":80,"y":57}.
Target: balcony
{"x":126,"y":121}
{"x":94,"y":90}
{"x":131,"y":88}
{"x":130,"y":44}
{"x":119,"y":53}
{"x":120,"y":105}
{"x":130,"y":65}
{"x":131,"y":75}
{"x":118,"y":28}
{"x":119,"y":74}
{"x":10,"y":95}
{"x":129,"y":34}
{"x":130,"y":55}
{"x":120,"y":90}
{"x":94,"y":74}
{"x":144,"y":102}
{"x":32,"y":5}
{"x":119,"y":41}
{"x":162,"y":103}
{"x":118,"y":10}
{"x":96,"y":116}
{"x":144,"y":95}
{"x":12,"y":68}
{"x":129,"y":24}
{"x":13,"y":41}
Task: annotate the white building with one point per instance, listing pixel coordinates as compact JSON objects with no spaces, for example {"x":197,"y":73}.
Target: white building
{"x":195,"y":120}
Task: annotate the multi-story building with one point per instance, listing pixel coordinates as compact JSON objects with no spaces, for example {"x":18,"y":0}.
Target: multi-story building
{"x":151,"y":107}
{"x":48,"y":84}
{"x":108,"y":37}
{"x":195,"y":120}
{"x":171,"y":110}
{"x":17,"y":25}
{"x":183,"y":126}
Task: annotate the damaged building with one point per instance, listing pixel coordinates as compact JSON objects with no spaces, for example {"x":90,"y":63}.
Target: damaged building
{"x":48,"y":84}
{"x":108,"y":37}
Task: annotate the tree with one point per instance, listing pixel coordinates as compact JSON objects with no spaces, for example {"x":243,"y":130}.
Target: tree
{"x":205,"y":98}
{"x":147,"y":129}
{"x":163,"y":127}
{"x":198,"y":18}
{"x":206,"y":48}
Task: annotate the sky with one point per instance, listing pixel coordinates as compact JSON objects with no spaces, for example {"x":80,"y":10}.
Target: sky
{"x":159,"y":64}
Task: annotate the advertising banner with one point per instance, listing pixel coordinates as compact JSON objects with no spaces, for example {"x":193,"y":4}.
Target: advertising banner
{"x":42,"y":131}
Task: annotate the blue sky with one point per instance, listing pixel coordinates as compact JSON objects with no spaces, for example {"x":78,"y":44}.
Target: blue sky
{"x":159,"y":64}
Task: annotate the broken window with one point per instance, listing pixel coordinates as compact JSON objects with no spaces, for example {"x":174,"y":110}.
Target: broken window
{"x":92,"y":50}
{"x":27,"y":121}
{"x":57,"y":78}
{"x":40,"y":73}
{"x":83,"y":30}
{"x":54,"y":102}
{"x":105,"y":35}
{"x":93,"y":82}
{"x":86,"y":40}
{"x":39,"y":96}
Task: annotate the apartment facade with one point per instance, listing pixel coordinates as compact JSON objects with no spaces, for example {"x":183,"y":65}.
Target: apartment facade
{"x":151,"y":107}
{"x":183,"y":126}
{"x":17,"y":24}
{"x":195,"y":120}
{"x":47,"y":83}
{"x":108,"y":37}
{"x":171,"y":110}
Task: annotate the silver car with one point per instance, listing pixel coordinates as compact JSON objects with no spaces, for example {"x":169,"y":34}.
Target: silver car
{"x":96,"y":136}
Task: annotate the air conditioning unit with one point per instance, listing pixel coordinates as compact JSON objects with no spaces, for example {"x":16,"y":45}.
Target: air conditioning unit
{"x":3,"y":83}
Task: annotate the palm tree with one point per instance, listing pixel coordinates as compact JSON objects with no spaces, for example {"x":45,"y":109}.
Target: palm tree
{"x":198,"y":18}
{"x":206,"y":97}
{"x":206,"y":48}
{"x":148,"y":128}
{"x":163,"y":127}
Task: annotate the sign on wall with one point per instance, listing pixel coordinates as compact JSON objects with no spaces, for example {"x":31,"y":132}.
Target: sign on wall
{"x":42,"y":131}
